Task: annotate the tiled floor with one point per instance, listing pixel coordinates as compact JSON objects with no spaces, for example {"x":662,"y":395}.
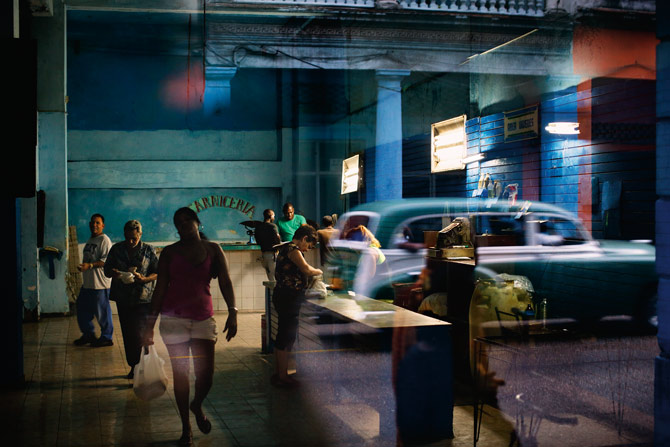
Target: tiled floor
{"x":78,"y":396}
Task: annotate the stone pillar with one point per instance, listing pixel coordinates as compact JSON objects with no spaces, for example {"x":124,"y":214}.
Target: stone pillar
{"x":387,"y":179}
{"x":50,"y":34}
{"x":662,"y":363}
{"x":217,"y":88}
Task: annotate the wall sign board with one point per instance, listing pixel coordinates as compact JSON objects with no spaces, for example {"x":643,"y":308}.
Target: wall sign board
{"x":448,"y":145}
{"x":521,"y":124}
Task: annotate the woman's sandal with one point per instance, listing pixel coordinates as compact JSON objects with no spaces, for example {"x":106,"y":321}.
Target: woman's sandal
{"x":279,"y":383}
{"x":204,"y":424}
{"x":186,"y":440}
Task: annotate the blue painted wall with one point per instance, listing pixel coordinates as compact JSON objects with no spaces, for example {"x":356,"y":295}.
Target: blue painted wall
{"x":109,"y":91}
{"x":220,"y":210}
{"x":140,"y":145}
{"x":138,"y":134}
{"x":662,"y":362}
{"x":606,"y":174}
{"x":615,"y":151}
{"x":560,"y":156}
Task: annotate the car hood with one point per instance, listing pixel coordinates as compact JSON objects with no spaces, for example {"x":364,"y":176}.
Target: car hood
{"x":627,"y":248}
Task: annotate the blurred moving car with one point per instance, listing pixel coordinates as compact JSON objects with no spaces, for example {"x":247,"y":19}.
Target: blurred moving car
{"x":578,"y":277}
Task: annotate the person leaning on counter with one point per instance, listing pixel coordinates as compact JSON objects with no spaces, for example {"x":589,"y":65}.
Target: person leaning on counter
{"x":325,"y":234}
{"x":292,"y":273}
{"x":267,"y":236}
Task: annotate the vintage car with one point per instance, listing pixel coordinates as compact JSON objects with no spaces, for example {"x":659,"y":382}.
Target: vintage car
{"x":576,"y":276}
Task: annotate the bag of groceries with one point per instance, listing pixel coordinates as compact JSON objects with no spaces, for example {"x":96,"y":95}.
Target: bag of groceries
{"x":317,"y":288}
{"x":150,"y":380}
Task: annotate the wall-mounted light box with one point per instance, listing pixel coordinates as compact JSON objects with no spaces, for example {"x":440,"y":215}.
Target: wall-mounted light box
{"x":351,"y":176}
{"x":563,"y":128}
{"x":448,"y":145}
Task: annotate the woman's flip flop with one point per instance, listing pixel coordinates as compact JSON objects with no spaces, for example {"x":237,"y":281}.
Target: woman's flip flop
{"x":203,"y":423}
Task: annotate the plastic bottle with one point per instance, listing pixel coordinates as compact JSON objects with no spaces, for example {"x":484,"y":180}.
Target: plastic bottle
{"x":542,"y":312}
{"x":529,"y":313}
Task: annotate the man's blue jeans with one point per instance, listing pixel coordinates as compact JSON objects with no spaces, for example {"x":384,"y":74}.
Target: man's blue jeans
{"x":95,"y":303}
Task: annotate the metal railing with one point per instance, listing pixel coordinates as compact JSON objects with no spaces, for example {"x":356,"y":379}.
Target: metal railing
{"x":507,"y":7}
{"x":335,"y":3}
{"x":533,"y":8}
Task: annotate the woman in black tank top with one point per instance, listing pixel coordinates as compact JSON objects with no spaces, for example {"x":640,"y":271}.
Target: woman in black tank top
{"x":292,"y":273}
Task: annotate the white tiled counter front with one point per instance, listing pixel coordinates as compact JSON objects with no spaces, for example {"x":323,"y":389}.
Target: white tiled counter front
{"x":247,"y":275}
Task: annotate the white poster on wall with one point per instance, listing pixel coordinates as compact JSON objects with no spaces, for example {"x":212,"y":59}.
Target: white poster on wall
{"x":448,"y":145}
{"x":350,"y":174}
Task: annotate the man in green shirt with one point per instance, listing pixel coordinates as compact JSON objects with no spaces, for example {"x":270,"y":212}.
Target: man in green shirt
{"x":289,"y":222}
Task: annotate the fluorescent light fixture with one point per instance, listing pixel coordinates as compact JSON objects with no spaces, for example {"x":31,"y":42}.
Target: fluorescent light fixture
{"x":472,"y":159}
{"x":448,"y":144}
{"x":350,"y":174}
{"x":447,"y":140}
{"x":563,"y":128}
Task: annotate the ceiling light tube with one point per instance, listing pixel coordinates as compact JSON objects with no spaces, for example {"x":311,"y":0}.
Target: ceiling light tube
{"x":563,"y":128}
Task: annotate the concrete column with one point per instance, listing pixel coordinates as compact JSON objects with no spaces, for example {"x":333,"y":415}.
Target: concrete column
{"x":662,"y":363}
{"x":29,"y":261}
{"x":386,"y":183}
{"x":50,"y":33}
{"x":217,"y":88}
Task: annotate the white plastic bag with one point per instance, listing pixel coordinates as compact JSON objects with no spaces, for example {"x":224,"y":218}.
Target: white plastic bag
{"x":317,"y":288}
{"x":127,"y":277}
{"x":150,"y":380}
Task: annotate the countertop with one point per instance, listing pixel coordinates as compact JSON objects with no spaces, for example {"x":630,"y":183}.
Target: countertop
{"x":374,"y":313}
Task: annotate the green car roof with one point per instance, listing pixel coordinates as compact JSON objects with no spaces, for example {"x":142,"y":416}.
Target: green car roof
{"x":393,"y":212}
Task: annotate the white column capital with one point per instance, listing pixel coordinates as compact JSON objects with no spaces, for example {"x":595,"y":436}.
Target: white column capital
{"x":217,"y":87}
{"x":391,"y":75}
{"x":218,"y":73}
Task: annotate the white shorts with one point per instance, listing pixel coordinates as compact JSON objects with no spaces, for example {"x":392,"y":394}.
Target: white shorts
{"x":176,"y":330}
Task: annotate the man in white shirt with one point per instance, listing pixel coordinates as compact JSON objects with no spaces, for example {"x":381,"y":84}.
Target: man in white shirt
{"x":93,"y":300}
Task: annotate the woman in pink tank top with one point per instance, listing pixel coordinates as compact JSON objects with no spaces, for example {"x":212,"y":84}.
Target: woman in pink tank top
{"x":187,"y":326}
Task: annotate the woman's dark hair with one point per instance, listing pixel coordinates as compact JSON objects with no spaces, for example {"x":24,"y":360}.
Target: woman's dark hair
{"x":327,"y":221}
{"x":188,"y":212}
{"x":305,"y":230}
{"x":312,"y":224}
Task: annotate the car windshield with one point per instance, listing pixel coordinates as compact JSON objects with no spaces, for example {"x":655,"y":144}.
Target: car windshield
{"x":557,"y":230}
{"x":499,"y":229}
{"x":352,"y":220}
{"x":421,"y":231}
